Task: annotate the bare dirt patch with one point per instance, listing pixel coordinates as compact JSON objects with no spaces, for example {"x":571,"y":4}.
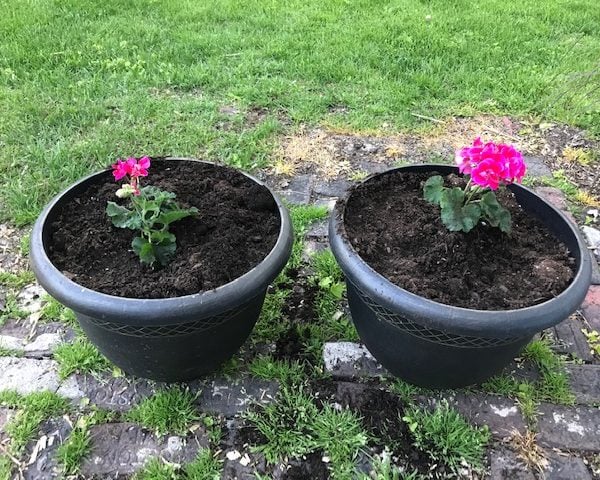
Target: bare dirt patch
{"x":335,"y":153}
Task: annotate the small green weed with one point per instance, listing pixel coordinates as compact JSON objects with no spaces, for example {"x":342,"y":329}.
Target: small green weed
{"x":593,"y":338}
{"x":554,"y":384}
{"x":17,"y":280}
{"x":293,"y":426}
{"x":579,"y":155}
{"x":6,"y":466}
{"x":383,"y":469}
{"x":358,"y":175}
{"x":287,"y":372}
{"x":206,"y":466}
{"x":340,"y":435}
{"x":55,"y":311}
{"x":11,"y":310}
{"x":33,"y":410}
{"x":77,"y":445}
{"x":405,"y":390}
{"x":286,"y":424}
{"x":156,"y":469}
{"x":9,"y":352}
{"x":303,"y":216}
{"x":79,"y":356}
{"x":270,"y":324}
{"x":167,"y":411}
{"x":24,"y":245}
{"x":447,"y":437}
{"x":70,"y":453}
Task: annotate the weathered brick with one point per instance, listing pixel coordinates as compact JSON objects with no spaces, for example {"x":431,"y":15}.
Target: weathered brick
{"x":574,"y":428}
{"x":590,"y":308}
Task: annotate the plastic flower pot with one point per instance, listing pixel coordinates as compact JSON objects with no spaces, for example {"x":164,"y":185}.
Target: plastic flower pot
{"x":441,"y":346}
{"x":170,"y":339}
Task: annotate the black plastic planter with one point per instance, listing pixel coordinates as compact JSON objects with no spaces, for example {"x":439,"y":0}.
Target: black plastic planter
{"x":171,"y":339}
{"x":440,"y":346}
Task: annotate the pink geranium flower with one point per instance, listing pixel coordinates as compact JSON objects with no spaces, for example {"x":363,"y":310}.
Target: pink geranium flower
{"x":121,"y":169}
{"x":488,"y":173}
{"x":468,"y":157}
{"x":139,"y":168}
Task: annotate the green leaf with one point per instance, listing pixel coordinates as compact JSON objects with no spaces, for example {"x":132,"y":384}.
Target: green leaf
{"x":144,"y":250}
{"x":164,"y":252}
{"x":161,"y":237}
{"x":325,"y":282}
{"x":433,"y":188}
{"x":495,"y":214}
{"x":455,"y":215}
{"x":170,"y":216}
{"x":157,"y":194}
{"x":338,"y":289}
{"x":122,"y":217}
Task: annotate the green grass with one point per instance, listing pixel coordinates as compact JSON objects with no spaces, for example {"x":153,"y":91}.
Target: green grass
{"x":78,"y":90}
{"x":53,"y":311}
{"x":79,"y":356}
{"x":71,"y":453}
{"x":167,"y":411}
{"x":33,"y":409}
{"x":293,"y":426}
{"x":9,"y":352}
{"x":6,"y":467}
{"x":382,"y":468}
{"x":303,"y":216}
{"x":333,"y":323}
{"x":206,"y":466}
{"x":156,"y":469}
{"x":287,"y":372}
{"x":552,"y":386}
{"x":270,"y":324}
{"x":16,"y":280}
{"x":447,"y":437}
{"x":11,"y":309}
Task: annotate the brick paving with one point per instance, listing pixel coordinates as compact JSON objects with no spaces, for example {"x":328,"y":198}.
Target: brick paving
{"x":568,"y":435}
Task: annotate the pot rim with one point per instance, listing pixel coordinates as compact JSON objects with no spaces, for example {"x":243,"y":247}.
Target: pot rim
{"x":163,"y":311}
{"x":460,"y":320}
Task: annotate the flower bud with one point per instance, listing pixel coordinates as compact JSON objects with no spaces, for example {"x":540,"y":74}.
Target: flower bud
{"x":125,"y":191}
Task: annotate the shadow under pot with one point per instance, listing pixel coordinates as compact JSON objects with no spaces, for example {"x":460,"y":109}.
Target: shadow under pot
{"x":185,"y":319}
{"x":428,"y":315}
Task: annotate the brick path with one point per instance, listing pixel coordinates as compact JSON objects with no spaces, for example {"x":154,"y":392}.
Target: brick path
{"x":569,"y":435}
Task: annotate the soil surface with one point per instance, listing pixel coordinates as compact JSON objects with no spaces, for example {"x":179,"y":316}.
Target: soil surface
{"x":401,"y":236}
{"x":237,"y":226}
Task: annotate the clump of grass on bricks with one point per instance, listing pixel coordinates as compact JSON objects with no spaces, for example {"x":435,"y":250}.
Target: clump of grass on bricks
{"x":167,"y":411}
{"x":447,"y":437}
{"x":33,"y":409}
{"x":80,"y":356}
{"x":294,"y":426}
{"x":78,"y":444}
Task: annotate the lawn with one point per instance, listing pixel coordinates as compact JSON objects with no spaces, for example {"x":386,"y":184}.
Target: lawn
{"x":83,"y":82}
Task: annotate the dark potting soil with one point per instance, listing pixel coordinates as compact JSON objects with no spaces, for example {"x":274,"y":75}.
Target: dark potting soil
{"x":237,"y":226}
{"x":401,"y":236}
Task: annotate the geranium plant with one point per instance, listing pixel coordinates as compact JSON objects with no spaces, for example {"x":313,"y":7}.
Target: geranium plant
{"x":151,"y":212}
{"x":488,"y":166}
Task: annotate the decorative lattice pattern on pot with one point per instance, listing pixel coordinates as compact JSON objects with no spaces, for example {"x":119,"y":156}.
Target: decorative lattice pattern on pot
{"x":430,"y":334}
{"x":172,"y":330}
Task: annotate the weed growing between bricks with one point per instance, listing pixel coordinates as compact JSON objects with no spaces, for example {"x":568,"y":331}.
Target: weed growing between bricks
{"x":31,"y":411}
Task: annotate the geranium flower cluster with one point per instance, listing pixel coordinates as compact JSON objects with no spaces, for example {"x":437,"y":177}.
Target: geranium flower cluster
{"x":491,"y":165}
{"x":150,"y":212}
{"x":131,"y":169}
